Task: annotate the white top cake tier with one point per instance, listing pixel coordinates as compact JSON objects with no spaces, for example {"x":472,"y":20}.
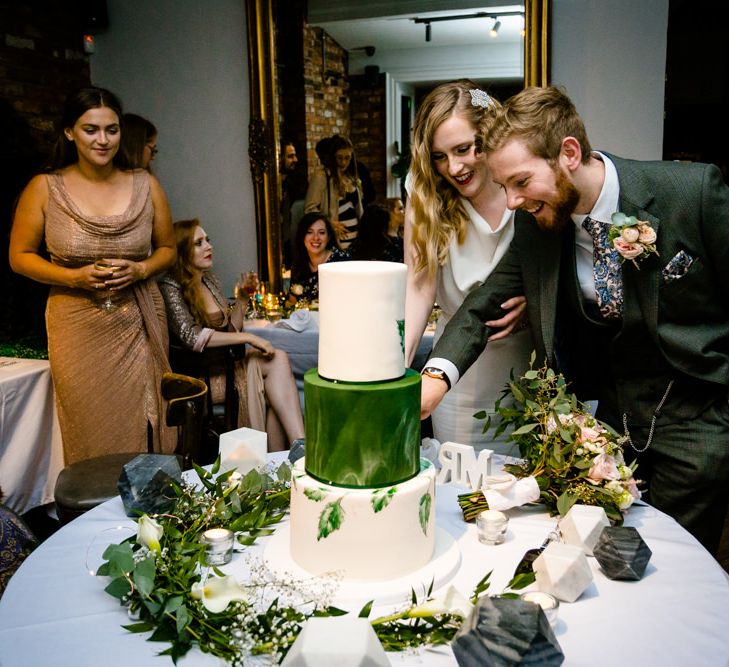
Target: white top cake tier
{"x":362,"y":321}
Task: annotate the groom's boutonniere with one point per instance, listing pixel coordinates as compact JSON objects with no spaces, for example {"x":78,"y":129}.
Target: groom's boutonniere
{"x":633,"y":239}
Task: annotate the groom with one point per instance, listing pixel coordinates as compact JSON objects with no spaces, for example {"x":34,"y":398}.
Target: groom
{"x":649,"y":340}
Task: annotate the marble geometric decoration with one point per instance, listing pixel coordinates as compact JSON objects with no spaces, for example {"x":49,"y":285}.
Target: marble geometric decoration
{"x":501,"y":632}
{"x":563,"y":571}
{"x":336,"y":641}
{"x":243,"y":449}
{"x":297,"y":448}
{"x":582,"y":525}
{"x":144,"y":484}
{"x":622,"y":553}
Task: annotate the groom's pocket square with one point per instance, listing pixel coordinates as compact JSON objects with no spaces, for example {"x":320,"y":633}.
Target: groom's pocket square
{"x":678,"y":267}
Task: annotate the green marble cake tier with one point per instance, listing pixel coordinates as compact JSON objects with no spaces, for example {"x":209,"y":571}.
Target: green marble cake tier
{"x":362,"y":434}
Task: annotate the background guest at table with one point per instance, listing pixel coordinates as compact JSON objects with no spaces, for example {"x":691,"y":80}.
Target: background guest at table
{"x":199,"y":317}
{"x":139,"y":141}
{"x":293,"y":191}
{"x":457,"y":228}
{"x":107,"y":363}
{"x":373,"y":241}
{"x":315,"y":245}
{"x":397,"y":216}
{"x":335,"y":190}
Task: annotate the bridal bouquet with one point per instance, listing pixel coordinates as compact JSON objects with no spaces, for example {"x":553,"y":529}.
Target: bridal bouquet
{"x":573,"y":457}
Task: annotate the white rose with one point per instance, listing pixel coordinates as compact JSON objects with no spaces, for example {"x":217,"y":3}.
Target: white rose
{"x":296,"y":289}
{"x":630,"y":234}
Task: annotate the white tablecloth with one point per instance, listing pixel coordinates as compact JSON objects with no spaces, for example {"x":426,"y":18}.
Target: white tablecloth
{"x":54,"y":613}
{"x":303,"y":347}
{"x":31,"y":450}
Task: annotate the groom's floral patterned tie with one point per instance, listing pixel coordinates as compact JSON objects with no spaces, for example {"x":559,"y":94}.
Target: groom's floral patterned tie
{"x":608,"y":276}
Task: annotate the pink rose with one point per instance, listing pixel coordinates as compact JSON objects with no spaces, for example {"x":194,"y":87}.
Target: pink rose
{"x":627,"y":250}
{"x":647,"y":234}
{"x":603,"y":467}
{"x":630,"y":234}
{"x":588,"y":434}
{"x":632,"y":488}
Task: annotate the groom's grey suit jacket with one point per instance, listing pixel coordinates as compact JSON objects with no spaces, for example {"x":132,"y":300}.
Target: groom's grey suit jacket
{"x":676,"y":305}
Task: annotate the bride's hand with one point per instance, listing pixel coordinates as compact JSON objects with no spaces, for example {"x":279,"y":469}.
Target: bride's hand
{"x":514,"y":320}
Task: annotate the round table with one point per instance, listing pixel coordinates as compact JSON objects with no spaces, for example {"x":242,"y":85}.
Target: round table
{"x":54,"y":613}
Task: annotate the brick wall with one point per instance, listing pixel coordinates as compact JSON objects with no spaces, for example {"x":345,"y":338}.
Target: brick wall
{"x":41,"y":59}
{"x":368,"y":114}
{"x":326,"y":90}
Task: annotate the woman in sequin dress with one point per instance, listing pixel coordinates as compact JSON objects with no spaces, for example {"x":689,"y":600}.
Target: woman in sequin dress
{"x":199,"y":317}
{"x":107,"y":360}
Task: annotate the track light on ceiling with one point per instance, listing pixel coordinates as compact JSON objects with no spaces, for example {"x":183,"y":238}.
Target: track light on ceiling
{"x":457,"y":17}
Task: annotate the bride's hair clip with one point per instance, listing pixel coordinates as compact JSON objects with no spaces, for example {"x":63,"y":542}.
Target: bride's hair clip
{"x":480,"y":98}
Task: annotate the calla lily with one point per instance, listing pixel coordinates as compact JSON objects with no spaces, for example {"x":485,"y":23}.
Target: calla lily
{"x":218,"y":592}
{"x":451,"y":603}
{"x":149,"y":533}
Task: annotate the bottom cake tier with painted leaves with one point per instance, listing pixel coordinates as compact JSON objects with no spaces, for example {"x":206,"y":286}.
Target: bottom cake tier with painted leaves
{"x":372,"y":534}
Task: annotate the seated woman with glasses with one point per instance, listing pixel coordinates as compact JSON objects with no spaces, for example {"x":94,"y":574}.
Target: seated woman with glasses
{"x":199,"y":316}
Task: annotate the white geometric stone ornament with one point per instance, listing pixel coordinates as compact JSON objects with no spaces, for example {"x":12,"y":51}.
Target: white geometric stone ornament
{"x":336,"y":641}
{"x":582,"y":526}
{"x":459,"y":465}
{"x":243,"y":449}
{"x":562,"y":570}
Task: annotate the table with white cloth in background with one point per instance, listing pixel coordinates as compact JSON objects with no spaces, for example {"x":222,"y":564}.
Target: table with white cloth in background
{"x":302,"y":346}
{"x":54,"y":613}
{"x":31,"y":449}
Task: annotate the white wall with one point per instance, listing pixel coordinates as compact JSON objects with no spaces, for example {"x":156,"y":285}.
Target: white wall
{"x":183,"y":65}
{"x":611,"y":58}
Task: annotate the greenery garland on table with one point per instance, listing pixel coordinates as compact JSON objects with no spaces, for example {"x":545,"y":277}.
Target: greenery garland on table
{"x":574,"y":457}
{"x":163,"y":580}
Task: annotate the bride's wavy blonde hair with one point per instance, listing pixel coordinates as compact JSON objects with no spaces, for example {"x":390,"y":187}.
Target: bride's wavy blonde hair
{"x":439,"y":214}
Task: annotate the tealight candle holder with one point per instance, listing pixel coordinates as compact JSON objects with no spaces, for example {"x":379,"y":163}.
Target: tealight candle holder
{"x":491,"y":526}
{"x":219,"y":545}
{"x":548,"y":603}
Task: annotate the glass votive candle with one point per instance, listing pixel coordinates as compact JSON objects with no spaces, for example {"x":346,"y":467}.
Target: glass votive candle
{"x":219,"y":545}
{"x":491,"y":526}
{"x":548,"y":603}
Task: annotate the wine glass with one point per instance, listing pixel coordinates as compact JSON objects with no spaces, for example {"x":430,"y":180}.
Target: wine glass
{"x":106,"y":265}
{"x":248,"y":283}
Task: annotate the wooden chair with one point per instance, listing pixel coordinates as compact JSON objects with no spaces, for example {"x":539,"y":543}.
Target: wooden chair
{"x":221,"y":417}
{"x":86,"y":484}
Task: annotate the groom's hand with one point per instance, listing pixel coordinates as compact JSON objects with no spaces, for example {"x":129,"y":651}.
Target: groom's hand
{"x":432,"y":393}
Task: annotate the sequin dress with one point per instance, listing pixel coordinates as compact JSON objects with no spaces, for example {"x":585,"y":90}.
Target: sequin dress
{"x":107,"y":365}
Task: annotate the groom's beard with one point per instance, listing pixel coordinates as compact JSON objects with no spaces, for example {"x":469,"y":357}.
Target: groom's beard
{"x":564,"y":203}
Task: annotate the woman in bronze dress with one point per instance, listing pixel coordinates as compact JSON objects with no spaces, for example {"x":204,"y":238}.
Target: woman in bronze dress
{"x":107,"y":231}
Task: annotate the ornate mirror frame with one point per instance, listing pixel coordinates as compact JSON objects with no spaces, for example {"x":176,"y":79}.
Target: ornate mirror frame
{"x":263,"y":129}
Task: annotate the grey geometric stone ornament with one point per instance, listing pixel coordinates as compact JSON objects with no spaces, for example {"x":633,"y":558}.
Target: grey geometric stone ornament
{"x":501,"y":632}
{"x":144,"y":484}
{"x":622,"y":553}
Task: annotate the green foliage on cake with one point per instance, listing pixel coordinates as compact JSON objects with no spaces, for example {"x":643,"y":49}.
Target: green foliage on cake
{"x":330,"y":519}
{"x":381,"y":498}
{"x":425,"y":505}
{"x":401,"y":331}
{"x":361,"y":435}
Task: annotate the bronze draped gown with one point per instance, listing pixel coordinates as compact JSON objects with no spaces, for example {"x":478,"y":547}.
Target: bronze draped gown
{"x":107,"y":365}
